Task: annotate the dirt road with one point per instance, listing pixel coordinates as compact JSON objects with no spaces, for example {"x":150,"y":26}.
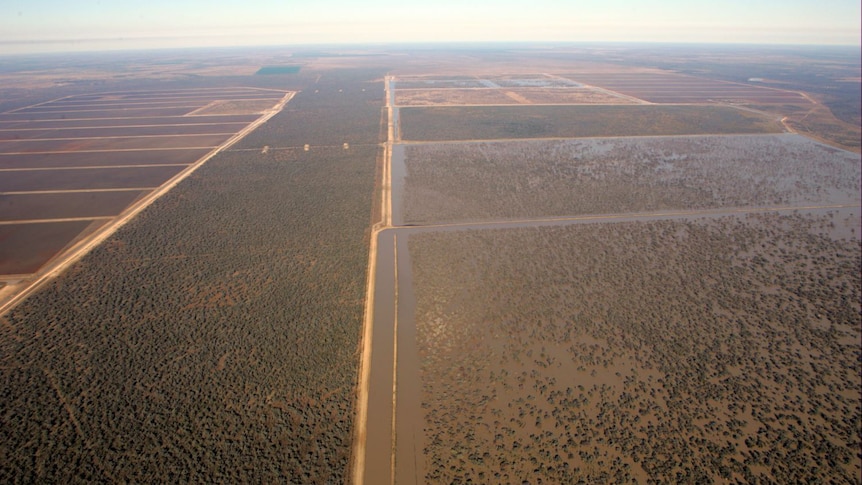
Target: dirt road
{"x":380,"y":468}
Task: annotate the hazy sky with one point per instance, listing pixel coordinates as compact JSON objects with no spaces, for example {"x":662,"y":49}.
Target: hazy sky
{"x":25,"y":25}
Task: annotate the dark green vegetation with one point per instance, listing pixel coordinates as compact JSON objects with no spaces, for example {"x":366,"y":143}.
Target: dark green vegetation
{"x":336,"y":109}
{"x":501,"y":122}
{"x":506,"y":180}
{"x":662,"y":352}
{"x":214,"y":338}
{"x":269,"y":70}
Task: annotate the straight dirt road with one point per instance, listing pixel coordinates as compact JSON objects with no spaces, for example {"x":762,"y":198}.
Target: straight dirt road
{"x":379,"y":425}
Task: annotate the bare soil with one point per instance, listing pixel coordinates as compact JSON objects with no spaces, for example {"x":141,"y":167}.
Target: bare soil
{"x":24,"y":248}
{"x":243,"y":107}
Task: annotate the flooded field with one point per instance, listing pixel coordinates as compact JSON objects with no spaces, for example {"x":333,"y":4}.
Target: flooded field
{"x":452,"y":123}
{"x":513,"y":95}
{"x":692,"y":350}
{"x":449,"y":182}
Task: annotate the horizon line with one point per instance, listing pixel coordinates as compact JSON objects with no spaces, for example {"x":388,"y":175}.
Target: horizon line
{"x":453,"y":43}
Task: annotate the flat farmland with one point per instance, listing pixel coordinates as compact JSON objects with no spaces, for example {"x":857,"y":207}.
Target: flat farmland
{"x":99,"y":113}
{"x":87,"y":178}
{"x":555,"y":95}
{"x":108,"y":144}
{"x":229,"y":107}
{"x":23,"y":206}
{"x":113,"y":131}
{"x":24,"y":248}
{"x":492,"y":82}
{"x":491,"y":96}
{"x":29,"y":161}
{"x":119,"y":122}
{"x":430,"y":83}
{"x":534,"y":81}
{"x":501,"y":90}
{"x":678,"y":88}
{"x":502,"y":122}
{"x":90,"y":158}
{"x":449,"y":182}
{"x":437,"y":97}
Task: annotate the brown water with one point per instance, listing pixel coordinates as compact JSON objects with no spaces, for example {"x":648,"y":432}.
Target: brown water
{"x":398,"y":173}
{"x":393,"y":297}
{"x":409,"y":456}
{"x":379,"y":443}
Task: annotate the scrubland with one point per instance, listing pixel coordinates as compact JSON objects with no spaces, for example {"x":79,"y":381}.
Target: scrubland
{"x":505,"y":180}
{"x":658,"y":352}
{"x":444,"y":123}
{"x":213,"y":338}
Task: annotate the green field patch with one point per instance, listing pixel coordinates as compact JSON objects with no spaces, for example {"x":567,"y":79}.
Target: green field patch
{"x":288,"y":69}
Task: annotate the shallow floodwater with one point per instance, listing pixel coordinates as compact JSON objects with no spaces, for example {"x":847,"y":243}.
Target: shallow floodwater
{"x":409,"y":423}
{"x":396,"y":132}
{"x":398,"y":173}
{"x":378,"y":443}
{"x":394,"y":310}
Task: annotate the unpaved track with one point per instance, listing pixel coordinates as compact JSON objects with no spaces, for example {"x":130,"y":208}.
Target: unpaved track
{"x":48,"y":221}
{"x":621,"y":217}
{"x":360,"y":438}
{"x":87,"y":244}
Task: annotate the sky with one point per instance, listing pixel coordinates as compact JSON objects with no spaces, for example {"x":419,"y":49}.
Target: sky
{"x":75,"y":25}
